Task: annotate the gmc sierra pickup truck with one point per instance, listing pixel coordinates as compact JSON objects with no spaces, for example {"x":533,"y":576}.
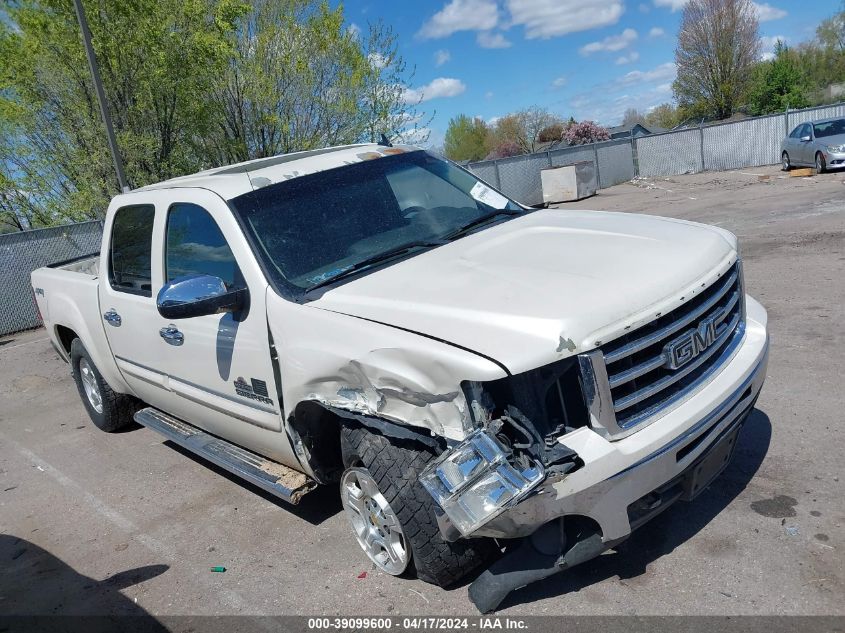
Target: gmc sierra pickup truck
{"x":490,"y":386}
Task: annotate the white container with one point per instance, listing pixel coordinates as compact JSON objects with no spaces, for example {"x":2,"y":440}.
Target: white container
{"x":568,"y":183}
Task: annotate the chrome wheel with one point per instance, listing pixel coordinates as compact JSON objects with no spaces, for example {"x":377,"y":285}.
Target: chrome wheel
{"x":91,"y":386}
{"x":375,"y":524}
{"x":820,"y":163}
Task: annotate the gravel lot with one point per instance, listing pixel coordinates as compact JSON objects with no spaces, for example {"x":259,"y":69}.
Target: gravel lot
{"x":94,"y":523}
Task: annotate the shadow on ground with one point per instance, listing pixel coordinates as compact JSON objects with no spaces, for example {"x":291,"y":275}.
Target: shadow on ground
{"x":315,"y":507}
{"x":668,"y":530}
{"x":33,"y":582}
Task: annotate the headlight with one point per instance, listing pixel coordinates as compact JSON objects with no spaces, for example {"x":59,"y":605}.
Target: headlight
{"x":836,"y":149}
{"x":474,"y":482}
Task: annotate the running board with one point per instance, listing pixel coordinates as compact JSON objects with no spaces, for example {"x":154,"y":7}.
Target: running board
{"x":281,"y":481}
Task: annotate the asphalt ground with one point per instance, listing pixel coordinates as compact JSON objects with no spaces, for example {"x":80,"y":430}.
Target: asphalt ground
{"x":93,"y":523}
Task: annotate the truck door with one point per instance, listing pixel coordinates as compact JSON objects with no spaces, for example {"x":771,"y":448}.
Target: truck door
{"x":127,"y":304}
{"x":216,"y":370}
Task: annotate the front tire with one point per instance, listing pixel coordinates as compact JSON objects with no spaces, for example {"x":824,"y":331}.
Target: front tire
{"x":109,"y":411}
{"x":394,"y":468}
{"x":785,"y":164}
{"x":821,"y":163}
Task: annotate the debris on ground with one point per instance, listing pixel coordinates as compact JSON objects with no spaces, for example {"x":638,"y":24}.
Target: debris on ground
{"x":218,"y":569}
{"x":792,"y":530}
{"x":363,"y":574}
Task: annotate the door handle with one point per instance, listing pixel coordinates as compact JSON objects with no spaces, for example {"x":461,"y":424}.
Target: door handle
{"x":112,"y":318}
{"x":171,"y":335}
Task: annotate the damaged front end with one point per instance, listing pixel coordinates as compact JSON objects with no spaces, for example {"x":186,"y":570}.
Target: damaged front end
{"x":475,"y":481}
{"x":521,"y":422}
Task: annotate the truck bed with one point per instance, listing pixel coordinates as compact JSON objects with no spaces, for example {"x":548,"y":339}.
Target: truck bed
{"x":67,"y":294}
{"x":87,"y":265}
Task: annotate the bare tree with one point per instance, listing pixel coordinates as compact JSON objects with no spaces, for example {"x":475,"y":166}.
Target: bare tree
{"x":523,"y":128}
{"x":632,"y":117}
{"x":718,"y":45}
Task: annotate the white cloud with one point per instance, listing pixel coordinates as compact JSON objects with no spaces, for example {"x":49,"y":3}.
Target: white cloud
{"x":611,"y":43}
{"x":766,"y":12}
{"x":607,"y":101}
{"x":656,"y":31}
{"x":354,"y":30}
{"x":488,"y":94}
{"x":596,"y":107}
{"x":767,"y":46}
{"x":461,"y":15}
{"x":664,"y":72}
{"x":675,"y":5}
{"x":550,"y":18}
{"x":560,"y":82}
{"x":438,"y":88}
{"x":441,"y":57}
{"x":630,"y":58}
{"x":486,"y":39}
{"x":644,"y":8}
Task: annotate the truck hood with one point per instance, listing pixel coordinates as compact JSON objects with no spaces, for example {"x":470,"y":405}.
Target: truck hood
{"x":541,"y":287}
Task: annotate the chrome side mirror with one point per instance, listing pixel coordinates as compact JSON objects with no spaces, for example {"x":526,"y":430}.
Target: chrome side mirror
{"x":806,"y":139}
{"x":199,"y":295}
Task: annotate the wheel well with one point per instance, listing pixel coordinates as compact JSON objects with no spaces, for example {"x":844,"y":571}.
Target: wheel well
{"x":314,"y":430}
{"x":65,"y":336}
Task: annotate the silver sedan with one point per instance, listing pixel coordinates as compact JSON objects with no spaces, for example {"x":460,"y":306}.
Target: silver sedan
{"x":819,"y":144}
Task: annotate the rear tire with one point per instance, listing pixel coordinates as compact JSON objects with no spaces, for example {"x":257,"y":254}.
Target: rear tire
{"x":785,"y":164}
{"x":395,"y":467}
{"x":821,"y":163}
{"x":109,"y":411}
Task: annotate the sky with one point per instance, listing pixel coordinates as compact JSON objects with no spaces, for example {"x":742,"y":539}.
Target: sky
{"x":589,"y":59}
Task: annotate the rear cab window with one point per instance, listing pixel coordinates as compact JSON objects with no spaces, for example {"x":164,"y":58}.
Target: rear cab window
{"x":130,"y":252}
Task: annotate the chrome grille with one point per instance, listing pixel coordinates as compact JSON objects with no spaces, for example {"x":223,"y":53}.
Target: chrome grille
{"x":630,"y":379}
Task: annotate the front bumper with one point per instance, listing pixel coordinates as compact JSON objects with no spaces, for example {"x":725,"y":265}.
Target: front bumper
{"x":834,"y":160}
{"x":618,"y":475}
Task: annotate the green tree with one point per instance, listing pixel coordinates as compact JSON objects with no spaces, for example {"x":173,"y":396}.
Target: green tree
{"x":831,"y":32}
{"x":778,"y":83}
{"x":158,"y":60}
{"x":522,"y":130}
{"x":665,"y":115}
{"x":300,"y":80}
{"x":718,"y":46}
{"x":190,"y":84}
{"x":466,"y":138}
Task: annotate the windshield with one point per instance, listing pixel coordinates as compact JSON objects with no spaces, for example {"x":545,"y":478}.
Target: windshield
{"x":313,"y":228}
{"x":829,"y":128}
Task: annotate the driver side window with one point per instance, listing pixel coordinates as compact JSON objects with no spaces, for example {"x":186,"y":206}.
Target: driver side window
{"x":195,"y":245}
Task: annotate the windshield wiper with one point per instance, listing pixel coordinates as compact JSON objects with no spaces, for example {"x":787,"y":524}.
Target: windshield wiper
{"x":376,"y":259}
{"x":484,"y":219}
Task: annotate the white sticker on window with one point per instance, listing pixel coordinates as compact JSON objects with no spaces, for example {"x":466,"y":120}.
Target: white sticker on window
{"x":486,"y":195}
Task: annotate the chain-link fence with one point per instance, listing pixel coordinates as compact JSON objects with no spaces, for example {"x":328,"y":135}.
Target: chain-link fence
{"x":736,"y":145}
{"x":23,"y":252}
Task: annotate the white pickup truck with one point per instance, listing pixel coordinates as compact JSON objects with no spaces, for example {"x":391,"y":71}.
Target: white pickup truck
{"x":489,"y":385}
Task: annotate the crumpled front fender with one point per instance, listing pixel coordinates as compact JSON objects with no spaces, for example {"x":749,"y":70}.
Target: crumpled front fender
{"x":361,"y":366}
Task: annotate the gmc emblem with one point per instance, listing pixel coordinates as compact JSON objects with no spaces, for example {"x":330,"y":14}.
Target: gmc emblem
{"x":694,"y":342}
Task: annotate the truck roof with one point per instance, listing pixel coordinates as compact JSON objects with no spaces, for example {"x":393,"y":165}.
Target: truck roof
{"x":231,"y":181}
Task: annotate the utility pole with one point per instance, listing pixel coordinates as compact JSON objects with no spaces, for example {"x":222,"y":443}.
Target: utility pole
{"x":101,"y":96}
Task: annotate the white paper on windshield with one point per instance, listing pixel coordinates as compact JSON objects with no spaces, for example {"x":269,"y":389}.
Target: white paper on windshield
{"x":486,"y":195}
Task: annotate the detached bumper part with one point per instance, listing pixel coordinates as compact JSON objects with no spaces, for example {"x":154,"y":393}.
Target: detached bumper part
{"x":546,"y":552}
{"x":475,"y":481}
